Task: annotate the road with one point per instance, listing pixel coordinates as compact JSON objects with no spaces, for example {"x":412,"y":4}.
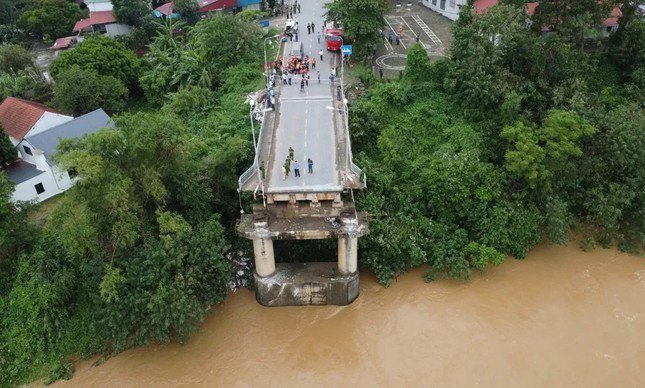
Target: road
{"x":305,"y":119}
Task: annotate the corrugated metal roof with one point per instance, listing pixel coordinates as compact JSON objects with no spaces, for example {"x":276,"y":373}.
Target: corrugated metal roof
{"x":100,"y":17}
{"x":47,"y":141}
{"x":22,"y":171}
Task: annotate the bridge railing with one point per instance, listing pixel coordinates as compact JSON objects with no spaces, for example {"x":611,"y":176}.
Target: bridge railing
{"x":258,"y":115}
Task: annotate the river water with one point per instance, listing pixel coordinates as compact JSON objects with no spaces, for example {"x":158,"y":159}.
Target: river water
{"x":560,"y":318}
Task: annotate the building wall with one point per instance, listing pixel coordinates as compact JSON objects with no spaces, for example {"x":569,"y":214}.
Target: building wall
{"x":115,"y":29}
{"x":101,"y":6}
{"x":26,"y":190}
{"x":48,"y":120}
{"x":36,"y":158}
{"x":450,"y":7}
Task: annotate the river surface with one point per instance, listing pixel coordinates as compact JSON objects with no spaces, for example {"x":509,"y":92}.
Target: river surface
{"x":560,"y":318}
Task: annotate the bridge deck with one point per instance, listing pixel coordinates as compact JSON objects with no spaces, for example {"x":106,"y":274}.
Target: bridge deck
{"x":311,"y":121}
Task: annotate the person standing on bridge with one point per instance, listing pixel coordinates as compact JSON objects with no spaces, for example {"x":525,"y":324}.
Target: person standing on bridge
{"x":312,"y":27}
{"x":284,"y":78}
{"x":287,"y":167}
{"x":321,"y":54}
{"x":298,"y":8}
{"x":284,"y":173}
{"x":389,"y":37}
{"x":313,"y":63}
{"x":318,"y":77}
{"x":310,"y":165}
{"x":318,"y":35}
{"x":306,"y":77}
{"x":290,"y":157}
{"x":308,"y":29}
{"x":296,"y":168}
{"x":302,"y":84}
{"x":289,"y":78}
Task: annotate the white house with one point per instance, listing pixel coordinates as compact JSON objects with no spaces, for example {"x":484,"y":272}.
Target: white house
{"x":447,"y":8}
{"x":35,"y":175}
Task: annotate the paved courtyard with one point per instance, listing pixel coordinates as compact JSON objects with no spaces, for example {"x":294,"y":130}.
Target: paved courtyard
{"x":432,"y":29}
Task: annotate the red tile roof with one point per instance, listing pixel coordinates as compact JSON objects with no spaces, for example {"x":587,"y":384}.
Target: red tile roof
{"x":18,"y":116}
{"x":99,"y":17}
{"x":165,"y":9}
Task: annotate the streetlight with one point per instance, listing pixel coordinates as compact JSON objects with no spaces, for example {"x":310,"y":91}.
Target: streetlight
{"x":266,"y":76}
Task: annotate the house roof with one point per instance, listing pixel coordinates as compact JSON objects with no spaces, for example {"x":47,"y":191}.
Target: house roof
{"x":18,"y":116}
{"x":63,"y":43}
{"x":165,"y":9}
{"x":213,"y":5}
{"x":99,"y":17}
{"x":22,"y":171}
{"x":47,"y":141}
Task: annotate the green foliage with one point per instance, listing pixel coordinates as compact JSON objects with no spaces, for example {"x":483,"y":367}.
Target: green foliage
{"x":169,"y":285}
{"x":175,"y":64}
{"x":131,"y":12}
{"x":14,"y":58}
{"x":64,"y":371}
{"x":417,"y":67}
{"x":51,"y":18}
{"x":28,"y":84}
{"x":78,"y":91}
{"x":537,"y":154}
{"x":8,"y":153}
{"x":108,"y":57}
{"x":361,"y":20}
{"x":187,"y":9}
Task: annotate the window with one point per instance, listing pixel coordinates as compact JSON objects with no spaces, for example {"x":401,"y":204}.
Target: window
{"x":72,"y":173}
{"x":434,"y":2}
{"x":443,"y":4}
{"x":39,"y":188}
{"x":27,"y":150}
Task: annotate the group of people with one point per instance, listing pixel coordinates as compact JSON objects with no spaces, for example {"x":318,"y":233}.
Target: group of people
{"x":291,"y":162}
{"x":300,"y":66}
{"x":293,"y":8}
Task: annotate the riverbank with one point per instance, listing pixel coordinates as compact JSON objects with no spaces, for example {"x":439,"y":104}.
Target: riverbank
{"x":562,"y":317}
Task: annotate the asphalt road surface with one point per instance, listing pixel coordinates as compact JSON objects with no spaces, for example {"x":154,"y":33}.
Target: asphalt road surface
{"x":305,"y":120}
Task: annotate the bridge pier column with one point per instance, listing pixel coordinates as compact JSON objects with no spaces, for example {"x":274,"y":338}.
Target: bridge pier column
{"x":347,"y":255}
{"x":264,"y":258}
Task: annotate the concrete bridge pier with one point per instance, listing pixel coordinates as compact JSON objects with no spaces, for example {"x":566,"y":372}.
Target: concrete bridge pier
{"x":264,"y":258}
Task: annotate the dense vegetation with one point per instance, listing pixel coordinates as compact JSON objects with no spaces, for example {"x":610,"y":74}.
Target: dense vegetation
{"x":515,"y":138}
{"x":518,"y":136}
{"x":135,"y":252}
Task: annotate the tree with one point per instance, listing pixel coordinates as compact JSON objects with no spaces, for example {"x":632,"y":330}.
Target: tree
{"x":106,"y":56}
{"x":628,"y":45}
{"x":51,"y":18}
{"x":362,"y":22}
{"x":78,"y":91}
{"x":537,"y":154}
{"x":131,"y":12}
{"x":14,"y":58}
{"x":8,"y":153}
{"x":417,"y":67}
{"x":187,"y":9}
{"x":570,"y":19}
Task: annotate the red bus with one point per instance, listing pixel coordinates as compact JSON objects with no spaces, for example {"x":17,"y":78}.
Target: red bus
{"x":334,"y":39}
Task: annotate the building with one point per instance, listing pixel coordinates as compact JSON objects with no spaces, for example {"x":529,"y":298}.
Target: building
{"x":204,"y":7}
{"x":447,"y":8}
{"x":36,"y":130}
{"x":451,"y":8}
{"x":98,"y":5}
{"x":102,"y":22}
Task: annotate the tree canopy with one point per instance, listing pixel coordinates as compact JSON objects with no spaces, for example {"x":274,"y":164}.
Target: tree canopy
{"x":108,"y":57}
{"x":50,"y":18}
{"x":78,"y":91}
{"x":362,"y":22}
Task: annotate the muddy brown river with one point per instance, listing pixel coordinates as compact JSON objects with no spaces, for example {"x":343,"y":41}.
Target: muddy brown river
{"x":560,"y":318}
